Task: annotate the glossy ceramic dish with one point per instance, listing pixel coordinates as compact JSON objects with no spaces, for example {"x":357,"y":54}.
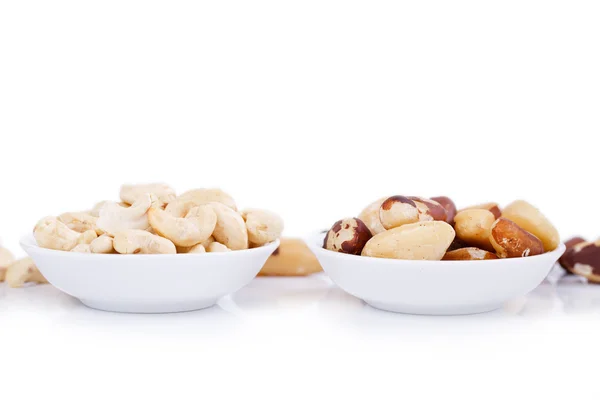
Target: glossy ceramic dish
{"x":434,"y":287}
{"x":155,"y":283}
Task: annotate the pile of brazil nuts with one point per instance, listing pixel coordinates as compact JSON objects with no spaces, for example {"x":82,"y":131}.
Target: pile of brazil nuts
{"x":152,"y":219}
{"x":582,"y":258}
{"x":418,"y":228}
{"x":18,"y":272}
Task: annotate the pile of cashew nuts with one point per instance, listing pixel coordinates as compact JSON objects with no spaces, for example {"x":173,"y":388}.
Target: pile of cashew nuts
{"x":153,"y":219}
{"x":418,"y":228}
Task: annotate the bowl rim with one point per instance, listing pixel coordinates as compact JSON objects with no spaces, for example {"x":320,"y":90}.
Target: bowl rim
{"x":28,"y":242}
{"x":313,"y":240}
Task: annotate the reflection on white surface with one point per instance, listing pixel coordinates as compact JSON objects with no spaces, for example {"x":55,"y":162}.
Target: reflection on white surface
{"x":558,"y":296}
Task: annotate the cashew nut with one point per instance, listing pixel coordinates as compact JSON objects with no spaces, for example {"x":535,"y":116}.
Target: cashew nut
{"x":50,"y":233}
{"x":81,"y":248}
{"x":131,"y":193}
{"x":102,"y":245}
{"x":80,"y":221}
{"x":114,"y":218}
{"x":22,"y":271}
{"x":95,"y":212}
{"x":231,"y":228}
{"x":196,"y":227}
{"x":197,"y":249}
{"x":136,"y":241}
{"x":263,"y":226}
{"x":216,"y":247}
{"x":193,"y":198}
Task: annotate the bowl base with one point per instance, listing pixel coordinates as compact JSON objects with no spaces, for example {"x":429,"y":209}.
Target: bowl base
{"x":149,"y":308}
{"x":432,"y":310}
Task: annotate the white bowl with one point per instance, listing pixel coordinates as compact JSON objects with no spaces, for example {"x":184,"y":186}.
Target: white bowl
{"x":148,"y":283}
{"x":434,"y":287}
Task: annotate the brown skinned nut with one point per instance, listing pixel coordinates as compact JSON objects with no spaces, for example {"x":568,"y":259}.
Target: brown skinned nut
{"x":449,"y":206}
{"x":457,"y":244}
{"x":429,"y":210}
{"x":564,"y":259}
{"x":511,"y":241}
{"x":494,"y":208}
{"x":469,"y":253}
{"x":533,"y":221}
{"x":584,"y":260}
{"x":347,"y":236}
{"x":397,"y":211}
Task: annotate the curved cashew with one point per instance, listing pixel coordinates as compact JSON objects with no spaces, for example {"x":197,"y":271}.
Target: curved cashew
{"x":197,"y":226}
{"x":195,"y":248}
{"x":231,"y":228}
{"x":102,"y":245}
{"x":114,"y":218}
{"x":132,"y":193}
{"x":136,"y":241}
{"x":216,"y":247}
{"x":80,"y":221}
{"x":50,"y":233}
{"x":197,"y":197}
{"x":22,"y":271}
{"x":263,"y":226}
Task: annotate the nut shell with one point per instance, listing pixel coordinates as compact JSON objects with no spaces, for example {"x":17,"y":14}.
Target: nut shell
{"x":511,"y":241}
{"x":426,"y":240}
{"x":468,"y":254}
{"x":347,"y":236}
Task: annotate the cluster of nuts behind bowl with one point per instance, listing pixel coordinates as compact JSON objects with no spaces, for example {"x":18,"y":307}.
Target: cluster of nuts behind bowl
{"x":152,"y":219}
{"x":418,"y":228}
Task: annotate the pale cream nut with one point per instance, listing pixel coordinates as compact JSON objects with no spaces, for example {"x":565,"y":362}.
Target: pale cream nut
{"x":131,"y":193}
{"x":370,"y":216}
{"x":136,"y":241}
{"x":196,"y":227}
{"x":263,"y":226}
{"x":50,"y":233}
{"x":426,"y":240}
{"x":216,"y":247}
{"x":230,"y":229}
{"x":115,"y":218}
{"x":22,"y":271}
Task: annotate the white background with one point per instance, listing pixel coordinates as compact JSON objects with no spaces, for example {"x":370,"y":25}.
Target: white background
{"x":312,"y":109}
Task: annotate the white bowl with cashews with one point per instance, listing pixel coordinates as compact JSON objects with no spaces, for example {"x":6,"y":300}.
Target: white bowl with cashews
{"x":421,"y":256}
{"x":154,"y":251}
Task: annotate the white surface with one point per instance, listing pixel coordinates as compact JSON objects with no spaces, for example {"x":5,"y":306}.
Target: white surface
{"x":291,"y":337}
{"x":312,"y":109}
{"x":434,"y":287}
{"x":149,"y":283}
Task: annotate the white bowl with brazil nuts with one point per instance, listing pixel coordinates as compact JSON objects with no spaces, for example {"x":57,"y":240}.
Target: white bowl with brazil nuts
{"x":148,"y":283}
{"x":434,"y":287}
